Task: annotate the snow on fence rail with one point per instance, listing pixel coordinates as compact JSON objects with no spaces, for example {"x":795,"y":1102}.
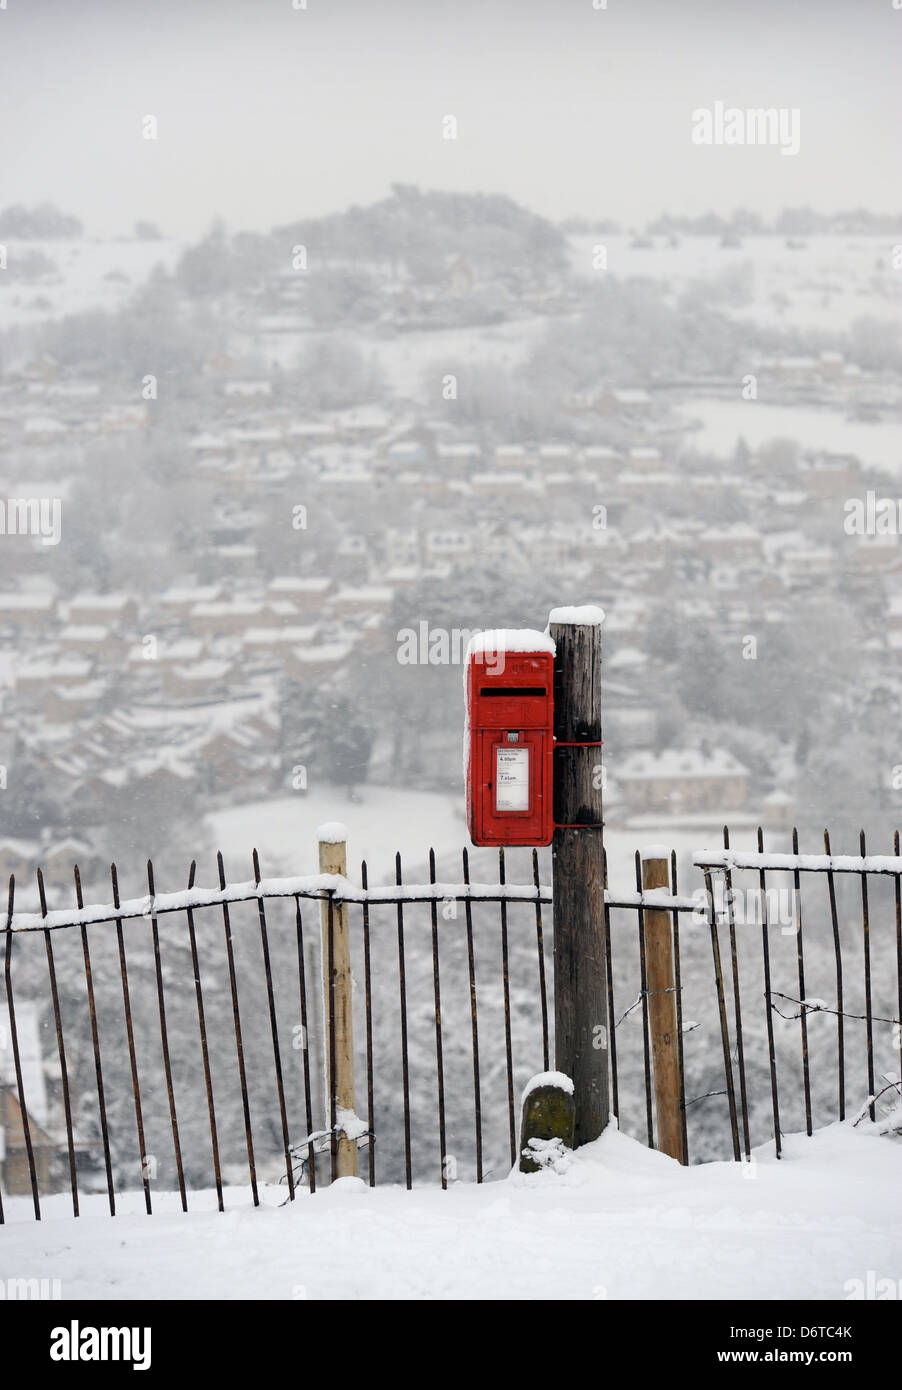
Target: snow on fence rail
{"x":320,"y":887}
{"x":804,"y":863}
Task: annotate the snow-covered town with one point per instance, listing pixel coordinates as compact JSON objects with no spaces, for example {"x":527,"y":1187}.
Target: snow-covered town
{"x":450,"y":644}
{"x":306,"y":497}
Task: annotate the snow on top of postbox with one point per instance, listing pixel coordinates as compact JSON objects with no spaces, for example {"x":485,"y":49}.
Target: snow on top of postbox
{"x":332,"y":832}
{"x":492,"y":643}
{"x":584,"y":615}
{"x":513,"y":639}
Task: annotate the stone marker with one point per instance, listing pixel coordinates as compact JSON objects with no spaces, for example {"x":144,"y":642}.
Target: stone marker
{"x":548,"y":1112}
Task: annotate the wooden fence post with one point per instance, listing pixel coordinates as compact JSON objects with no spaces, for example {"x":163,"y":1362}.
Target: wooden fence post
{"x":338,"y":1044}
{"x":580,"y":987}
{"x":662,"y":1006}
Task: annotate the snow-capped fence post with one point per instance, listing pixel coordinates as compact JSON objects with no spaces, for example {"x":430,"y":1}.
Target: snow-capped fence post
{"x":338,"y":1034}
{"x":662,"y":1006}
{"x":580,"y":987}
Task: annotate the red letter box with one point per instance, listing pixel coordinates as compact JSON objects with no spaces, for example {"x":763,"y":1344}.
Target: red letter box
{"x":510,"y":705}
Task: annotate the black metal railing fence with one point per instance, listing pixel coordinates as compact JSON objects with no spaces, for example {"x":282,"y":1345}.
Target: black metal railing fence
{"x":177,"y":1042}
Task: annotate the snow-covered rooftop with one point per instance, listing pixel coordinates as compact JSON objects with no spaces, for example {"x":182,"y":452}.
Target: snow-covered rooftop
{"x":677,"y":763}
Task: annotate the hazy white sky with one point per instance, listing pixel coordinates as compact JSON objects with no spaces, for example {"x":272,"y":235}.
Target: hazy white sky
{"x":267,"y":113}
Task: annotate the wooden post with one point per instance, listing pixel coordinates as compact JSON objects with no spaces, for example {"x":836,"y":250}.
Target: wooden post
{"x":580,"y":988}
{"x":662,"y":1007}
{"x":340,"y":1088}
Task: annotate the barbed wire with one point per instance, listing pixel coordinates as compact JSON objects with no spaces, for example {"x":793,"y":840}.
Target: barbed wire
{"x":645,"y":994}
{"x":806,"y":1008}
{"x":321,"y":1142}
{"x":706,"y":1096}
{"x":891,"y":1086}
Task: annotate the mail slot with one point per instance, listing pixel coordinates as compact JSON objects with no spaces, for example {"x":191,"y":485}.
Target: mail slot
{"x":510,"y":738}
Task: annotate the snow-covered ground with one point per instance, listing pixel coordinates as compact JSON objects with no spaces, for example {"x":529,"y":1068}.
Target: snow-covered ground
{"x":382,"y":822}
{"x":622,"y":1222}
{"x":87,"y":274}
{"x":824,"y":284}
{"x":411,"y":360}
{"x":877,"y":444}
{"x":408,"y":359}
{"x":385,"y":820}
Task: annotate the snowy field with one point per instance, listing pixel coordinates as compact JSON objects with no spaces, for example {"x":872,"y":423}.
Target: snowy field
{"x":87,"y":274}
{"x":824,"y":284}
{"x":382,"y":822}
{"x":878,"y":444}
{"x":385,"y":820}
{"x":413,"y":361}
{"x":622,"y":1222}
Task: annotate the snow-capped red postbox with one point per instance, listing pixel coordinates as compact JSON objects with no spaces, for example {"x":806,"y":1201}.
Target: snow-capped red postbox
{"x":510,"y":738}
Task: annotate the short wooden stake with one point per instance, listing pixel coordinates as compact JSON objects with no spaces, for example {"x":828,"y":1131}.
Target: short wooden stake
{"x":662,"y":1008}
{"x":333,"y":859}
